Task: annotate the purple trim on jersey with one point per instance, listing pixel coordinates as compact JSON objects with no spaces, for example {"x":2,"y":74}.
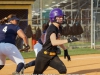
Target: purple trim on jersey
{"x":44,"y":31}
{"x":40,"y":41}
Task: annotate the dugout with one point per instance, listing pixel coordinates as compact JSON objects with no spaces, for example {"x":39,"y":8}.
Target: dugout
{"x":23,"y":10}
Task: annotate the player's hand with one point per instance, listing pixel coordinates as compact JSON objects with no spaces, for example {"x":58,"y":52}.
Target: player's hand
{"x":72,"y":39}
{"x":67,"y":55}
{"x":27,"y":47}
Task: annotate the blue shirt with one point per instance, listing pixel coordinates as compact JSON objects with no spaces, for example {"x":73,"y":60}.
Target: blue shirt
{"x":8,"y":33}
{"x":40,"y":41}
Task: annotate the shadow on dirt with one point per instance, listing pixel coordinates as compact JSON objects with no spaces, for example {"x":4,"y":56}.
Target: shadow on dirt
{"x":86,"y":71}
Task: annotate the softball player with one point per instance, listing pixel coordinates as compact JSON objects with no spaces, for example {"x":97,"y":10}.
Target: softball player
{"x":37,"y":47}
{"x":8,"y":33}
{"x":48,"y":56}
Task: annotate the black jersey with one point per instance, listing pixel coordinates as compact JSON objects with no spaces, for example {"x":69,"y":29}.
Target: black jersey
{"x":47,"y":45}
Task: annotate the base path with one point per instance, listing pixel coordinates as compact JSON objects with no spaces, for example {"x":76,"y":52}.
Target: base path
{"x":79,"y":65}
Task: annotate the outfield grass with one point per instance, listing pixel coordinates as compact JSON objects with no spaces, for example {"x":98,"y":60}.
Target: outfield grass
{"x":78,"y":51}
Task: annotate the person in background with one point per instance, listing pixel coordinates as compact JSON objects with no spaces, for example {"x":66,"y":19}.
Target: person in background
{"x":37,"y":47}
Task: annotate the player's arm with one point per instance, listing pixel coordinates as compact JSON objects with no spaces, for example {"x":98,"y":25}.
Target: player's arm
{"x":65,"y":50}
{"x":62,"y":45}
{"x":55,"y":41}
{"x":23,"y":36}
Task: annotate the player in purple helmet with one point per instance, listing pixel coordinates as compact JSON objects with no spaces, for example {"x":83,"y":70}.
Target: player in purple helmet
{"x":48,"y":55}
{"x":9,"y":29}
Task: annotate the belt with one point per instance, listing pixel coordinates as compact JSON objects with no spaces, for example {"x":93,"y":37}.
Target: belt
{"x":49,"y":53}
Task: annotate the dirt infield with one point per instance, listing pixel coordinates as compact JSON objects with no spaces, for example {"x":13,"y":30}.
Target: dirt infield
{"x":79,"y":65}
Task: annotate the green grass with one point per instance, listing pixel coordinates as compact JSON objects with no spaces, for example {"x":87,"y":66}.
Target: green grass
{"x":72,"y":52}
{"x":82,"y":51}
{"x":78,"y":51}
{"x":28,"y":54}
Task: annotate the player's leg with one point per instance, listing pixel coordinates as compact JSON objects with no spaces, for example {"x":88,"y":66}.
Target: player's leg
{"x":41,"y":63}
{"x":57,"y":64}
{"x":13,"y":54}
{"x":37,"y":48}
{"x":32,"y":63}
{"x":2,"y":56}
{"x":2,"y":61}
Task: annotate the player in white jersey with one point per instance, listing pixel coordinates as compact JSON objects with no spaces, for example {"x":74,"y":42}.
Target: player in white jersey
{"x":8,"y":33}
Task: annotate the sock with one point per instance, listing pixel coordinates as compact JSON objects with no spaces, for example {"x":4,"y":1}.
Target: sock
{"x":32,"y":63}
{"x":19,"y":67}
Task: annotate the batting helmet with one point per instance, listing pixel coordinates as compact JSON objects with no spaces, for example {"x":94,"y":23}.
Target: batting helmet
{"x":56,"y":12}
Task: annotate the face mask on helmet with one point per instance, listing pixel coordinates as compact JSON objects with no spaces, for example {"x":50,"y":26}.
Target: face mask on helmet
{"x":56,"y":12}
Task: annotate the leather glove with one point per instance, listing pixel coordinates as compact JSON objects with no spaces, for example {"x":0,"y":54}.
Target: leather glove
{"x":27,"y":47}
{"x":67,"y":55}
{"x":72,"y":39}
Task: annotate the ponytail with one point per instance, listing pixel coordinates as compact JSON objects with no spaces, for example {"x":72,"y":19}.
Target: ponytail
{"x":4,"y":20}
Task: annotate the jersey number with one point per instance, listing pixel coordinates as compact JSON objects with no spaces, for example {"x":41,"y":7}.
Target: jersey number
{"x":4,"y":29}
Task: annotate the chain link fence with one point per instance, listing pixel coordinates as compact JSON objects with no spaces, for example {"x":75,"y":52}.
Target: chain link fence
{"x":84,"y":18}
{"x":97,"y":29}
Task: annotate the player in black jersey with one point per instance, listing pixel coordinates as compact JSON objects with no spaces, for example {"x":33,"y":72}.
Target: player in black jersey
{"x":48,"y":55}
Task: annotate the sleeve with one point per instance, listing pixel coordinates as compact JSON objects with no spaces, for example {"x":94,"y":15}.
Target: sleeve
{"x":17,"y":28}
{"x":52,"y":31}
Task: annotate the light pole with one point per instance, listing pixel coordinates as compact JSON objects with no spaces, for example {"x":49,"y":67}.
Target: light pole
{"x":92,"y":37}
{"x":41,"y":6}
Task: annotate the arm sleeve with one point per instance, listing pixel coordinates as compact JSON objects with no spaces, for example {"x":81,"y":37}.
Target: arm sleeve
{"x":52,"y":31}
{"x":17,"y":28}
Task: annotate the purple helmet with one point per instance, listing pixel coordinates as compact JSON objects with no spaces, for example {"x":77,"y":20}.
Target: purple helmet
{"x":54,"y":13}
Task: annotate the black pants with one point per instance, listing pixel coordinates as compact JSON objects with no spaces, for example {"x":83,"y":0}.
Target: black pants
{"x":43,"y":61}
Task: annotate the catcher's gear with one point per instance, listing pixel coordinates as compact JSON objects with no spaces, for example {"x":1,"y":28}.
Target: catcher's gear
{"x":26,"y":48}
{"x":72,"y":39}
{"x":67,"y":30}
{"x":28,"y":31}
{"x":38,"y":34}
{"x":79,"y":28}
{"x":76,"y":29}
{"x":67,"y":55}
